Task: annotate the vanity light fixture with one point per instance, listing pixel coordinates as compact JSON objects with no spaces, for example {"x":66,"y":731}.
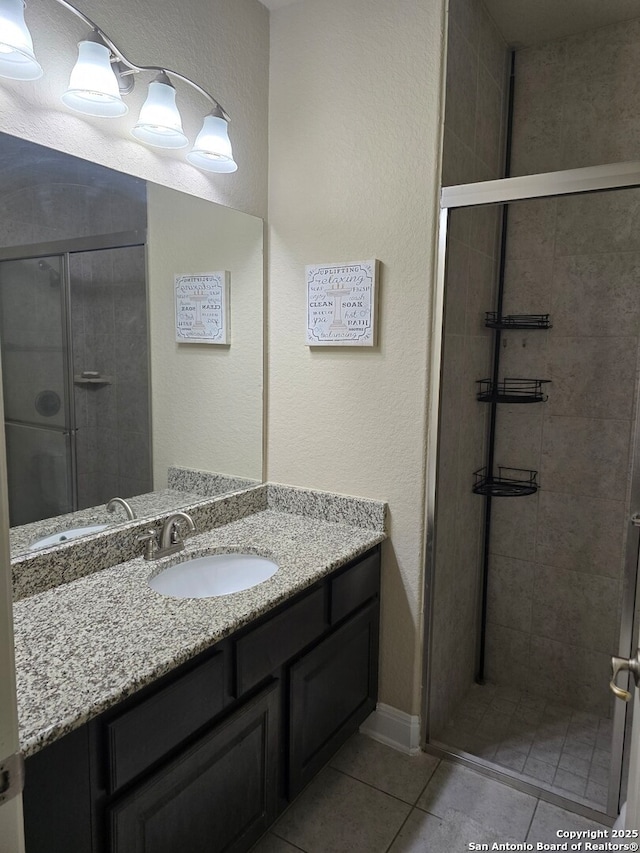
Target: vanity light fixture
{"x":93,"y":85}
{"x":103,"y":74}
{"x":17,"y":59}
{"x":212,"y":149}
{"x":159,"y":123}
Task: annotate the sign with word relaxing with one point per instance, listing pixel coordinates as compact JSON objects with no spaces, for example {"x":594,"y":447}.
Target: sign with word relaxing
{"x":202,"y":308}
{"x":341,"y":304}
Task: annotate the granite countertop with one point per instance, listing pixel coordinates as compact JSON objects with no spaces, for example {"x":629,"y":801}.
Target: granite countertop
{"x":83,"y":646}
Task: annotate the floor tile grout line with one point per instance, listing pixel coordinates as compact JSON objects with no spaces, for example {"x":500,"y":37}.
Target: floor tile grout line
{"x":286,"y":841}
{"x":402,"y":826}
{"x":382,"y":791}
{"x":535,"y":811}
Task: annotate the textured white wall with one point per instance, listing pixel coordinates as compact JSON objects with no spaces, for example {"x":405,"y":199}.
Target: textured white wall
{"x":206,"y":400}
{"x":354,"y":138}
{"x":222,"y":44}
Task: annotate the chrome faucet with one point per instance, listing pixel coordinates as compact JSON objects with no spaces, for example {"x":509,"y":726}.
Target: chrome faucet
{"x":166,"y":541}
{"x":114,"y":502}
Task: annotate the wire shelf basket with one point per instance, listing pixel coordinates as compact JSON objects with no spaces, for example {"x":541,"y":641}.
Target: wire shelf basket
{"x":493,"y":320}
{"x":510,"y":482}
{"x":512,"y":390}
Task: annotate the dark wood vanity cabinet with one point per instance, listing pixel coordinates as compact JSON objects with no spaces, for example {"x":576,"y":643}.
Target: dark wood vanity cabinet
{"x":219,"y":794}
{"x":205,"y":758}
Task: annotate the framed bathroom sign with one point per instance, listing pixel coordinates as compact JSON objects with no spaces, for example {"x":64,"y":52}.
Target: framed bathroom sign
{"x":202,"y":308}
{"x":341,"y":304}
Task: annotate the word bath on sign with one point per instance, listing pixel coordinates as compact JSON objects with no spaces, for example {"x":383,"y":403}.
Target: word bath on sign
{"x":341,"y":304}
{"x":202,"y":308}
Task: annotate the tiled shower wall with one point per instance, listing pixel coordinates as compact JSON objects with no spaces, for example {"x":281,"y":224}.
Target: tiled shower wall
{"x":557,"y":557}
{"x":473,"y":143}
{"x":109,"y":321}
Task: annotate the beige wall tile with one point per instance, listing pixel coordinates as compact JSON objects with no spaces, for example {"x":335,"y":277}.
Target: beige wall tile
{"x":457,"y":283}
{"x":596,"y":295}
{"x":586,"y":456}
{"x":458,"y":160}
{"x":513,"y":527}
{"x":598,"y":222}
{"x":531,"y":232}
{"x":462,"y":82}
{"x":480,"y":292}
{"x":510,"y":593}
{"x":488,"y":122}
{"x":574,"y":609}
{"x":607,"y":53}
{"x":519,"y":436}
{"x":582,"y":534}
{"x":528,"y":284}
{"x":592,"y":377}
{"x":485,"y":228}
{"x":570,"y":675}
{"x":507,"y":656}
{"x":492,"y":49}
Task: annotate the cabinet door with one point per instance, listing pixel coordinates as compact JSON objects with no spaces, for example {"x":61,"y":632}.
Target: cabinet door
{"x":219,"y":796}
{"x":332,"y":689}
{"x":57,"y":797}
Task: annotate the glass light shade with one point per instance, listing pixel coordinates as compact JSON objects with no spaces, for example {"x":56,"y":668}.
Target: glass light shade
{"x":93,"y":85}
{"x":212,"y":149}
{"x":159,"y":123}
{"x":17,"y":59}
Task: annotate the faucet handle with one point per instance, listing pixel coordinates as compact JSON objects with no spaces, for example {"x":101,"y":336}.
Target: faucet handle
{"x":175,"y":527}
{"x":152,"y":542}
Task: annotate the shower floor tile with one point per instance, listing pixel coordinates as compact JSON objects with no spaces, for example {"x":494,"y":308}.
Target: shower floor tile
{"x":553,"y":746}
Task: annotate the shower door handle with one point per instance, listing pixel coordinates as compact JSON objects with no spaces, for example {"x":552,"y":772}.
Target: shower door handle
{"x":631,"y":665}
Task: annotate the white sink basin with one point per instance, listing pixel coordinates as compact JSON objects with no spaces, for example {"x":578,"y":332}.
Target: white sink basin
{"x":215,"y":574}
{"x":66,"y":535}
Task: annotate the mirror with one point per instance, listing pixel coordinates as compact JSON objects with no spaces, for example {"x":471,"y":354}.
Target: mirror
{"x":100,"y":398}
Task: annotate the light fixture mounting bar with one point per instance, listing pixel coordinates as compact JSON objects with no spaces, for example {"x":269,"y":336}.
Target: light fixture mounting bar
{"x":137,"y":68}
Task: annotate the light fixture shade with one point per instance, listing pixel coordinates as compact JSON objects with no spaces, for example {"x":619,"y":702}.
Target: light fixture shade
{"x":17,"y":59}
{"x":159,"y":123}
{"x":212,"y":149}
{"x":93,"y":85}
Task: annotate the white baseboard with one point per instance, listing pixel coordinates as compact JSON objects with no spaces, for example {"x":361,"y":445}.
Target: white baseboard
{"x":393,"y":728}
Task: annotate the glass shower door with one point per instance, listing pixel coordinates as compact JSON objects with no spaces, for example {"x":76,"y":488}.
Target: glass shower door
{"x":35,"y":373}
{"x":538,"y":476}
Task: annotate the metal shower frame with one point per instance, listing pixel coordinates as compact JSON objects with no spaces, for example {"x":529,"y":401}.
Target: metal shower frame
{"x":616,"y":176}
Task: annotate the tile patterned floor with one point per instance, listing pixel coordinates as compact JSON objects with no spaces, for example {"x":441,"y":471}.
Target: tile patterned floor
{"x":372,"y":799}
{"x":554,"y":746}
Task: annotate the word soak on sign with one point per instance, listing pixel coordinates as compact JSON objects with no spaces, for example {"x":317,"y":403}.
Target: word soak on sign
{"x":202,"y":308}
{"x":341,"y":304}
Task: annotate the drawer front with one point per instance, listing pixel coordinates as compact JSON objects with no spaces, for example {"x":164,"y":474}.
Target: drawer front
{"x":355,"y":586}
{"x":142,"y":735}
{"x":260,"y":652}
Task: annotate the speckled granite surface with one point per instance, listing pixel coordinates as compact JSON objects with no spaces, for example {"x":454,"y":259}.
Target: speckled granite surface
{"x":36,"y":571}
{"x":343,"y":509}
{"x":83,"y":646}
{"x":206,"y":482}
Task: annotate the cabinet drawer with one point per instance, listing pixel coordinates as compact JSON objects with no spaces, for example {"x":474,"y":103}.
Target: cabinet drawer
{"x":260,"y":652}
{"x":354,"y":586}
{"x":142,"y":735}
